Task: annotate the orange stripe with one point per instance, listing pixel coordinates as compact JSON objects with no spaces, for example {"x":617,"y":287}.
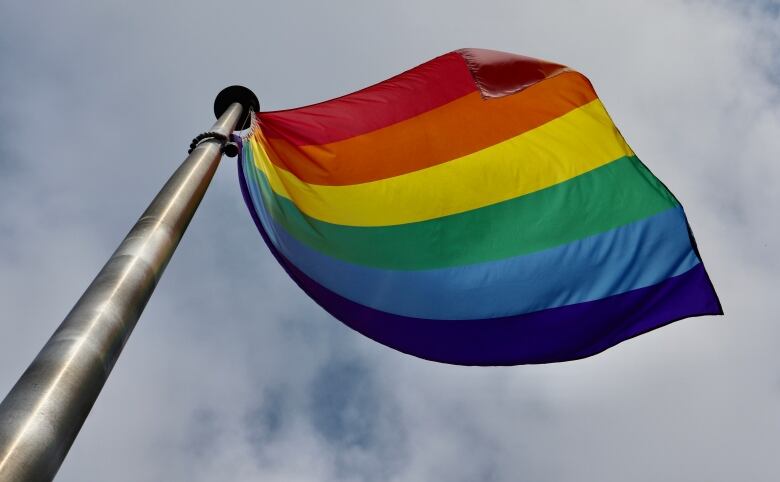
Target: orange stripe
{"x":453,"y":130}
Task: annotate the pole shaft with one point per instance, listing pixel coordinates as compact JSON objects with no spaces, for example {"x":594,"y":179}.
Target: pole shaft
{"x":42,"y":414}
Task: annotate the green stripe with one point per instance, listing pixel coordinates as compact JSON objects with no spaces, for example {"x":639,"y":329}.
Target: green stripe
{"x":612,"y":195}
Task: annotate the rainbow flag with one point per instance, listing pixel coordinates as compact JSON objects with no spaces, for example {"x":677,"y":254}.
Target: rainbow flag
{"x":479,"y":209}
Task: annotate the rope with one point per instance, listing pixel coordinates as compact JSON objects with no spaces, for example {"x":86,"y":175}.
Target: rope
{"x":207,"y":135}
{"x":253,"y":125}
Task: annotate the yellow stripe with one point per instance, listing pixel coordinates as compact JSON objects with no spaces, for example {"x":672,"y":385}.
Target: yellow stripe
{"x":561,"y":149}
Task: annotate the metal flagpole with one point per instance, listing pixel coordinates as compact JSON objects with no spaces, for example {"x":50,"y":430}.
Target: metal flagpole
{"x":42,"y":414}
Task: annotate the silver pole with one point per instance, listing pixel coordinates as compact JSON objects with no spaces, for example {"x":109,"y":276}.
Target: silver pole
{"x":42,"y":414}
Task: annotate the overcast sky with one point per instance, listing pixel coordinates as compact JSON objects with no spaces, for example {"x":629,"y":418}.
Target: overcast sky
{"x":233,"y":374}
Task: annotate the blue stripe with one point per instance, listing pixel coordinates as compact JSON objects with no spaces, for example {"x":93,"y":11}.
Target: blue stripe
{"x":632,"y":256}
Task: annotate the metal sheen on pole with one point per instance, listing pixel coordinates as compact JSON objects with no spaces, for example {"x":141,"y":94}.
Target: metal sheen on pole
{"x":42,"y":414}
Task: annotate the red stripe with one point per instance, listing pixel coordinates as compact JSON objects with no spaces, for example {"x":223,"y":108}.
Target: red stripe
{"x":413,"y":92}
{"x":423,"y":88}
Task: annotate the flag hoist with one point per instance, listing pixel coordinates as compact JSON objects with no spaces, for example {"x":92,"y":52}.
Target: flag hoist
{"x":42,"y":414}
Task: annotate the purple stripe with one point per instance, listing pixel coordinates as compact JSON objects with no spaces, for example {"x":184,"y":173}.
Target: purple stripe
{"x":552,"y":335}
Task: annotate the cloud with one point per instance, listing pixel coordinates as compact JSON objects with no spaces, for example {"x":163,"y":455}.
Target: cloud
{"x":232,"y":374}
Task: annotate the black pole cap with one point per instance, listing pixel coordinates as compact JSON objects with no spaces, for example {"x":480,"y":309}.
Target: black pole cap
{"x":240,"y":94}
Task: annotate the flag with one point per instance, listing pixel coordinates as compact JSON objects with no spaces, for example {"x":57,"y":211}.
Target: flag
{"x":479,"y":209}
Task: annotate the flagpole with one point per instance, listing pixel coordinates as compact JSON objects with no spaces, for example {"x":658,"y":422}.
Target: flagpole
{"x":42,"y":414}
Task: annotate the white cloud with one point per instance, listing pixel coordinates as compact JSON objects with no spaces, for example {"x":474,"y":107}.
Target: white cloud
{"x":232,"y":374}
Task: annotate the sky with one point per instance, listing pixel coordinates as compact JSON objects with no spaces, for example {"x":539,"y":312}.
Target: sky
{"x":234,"y":374}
